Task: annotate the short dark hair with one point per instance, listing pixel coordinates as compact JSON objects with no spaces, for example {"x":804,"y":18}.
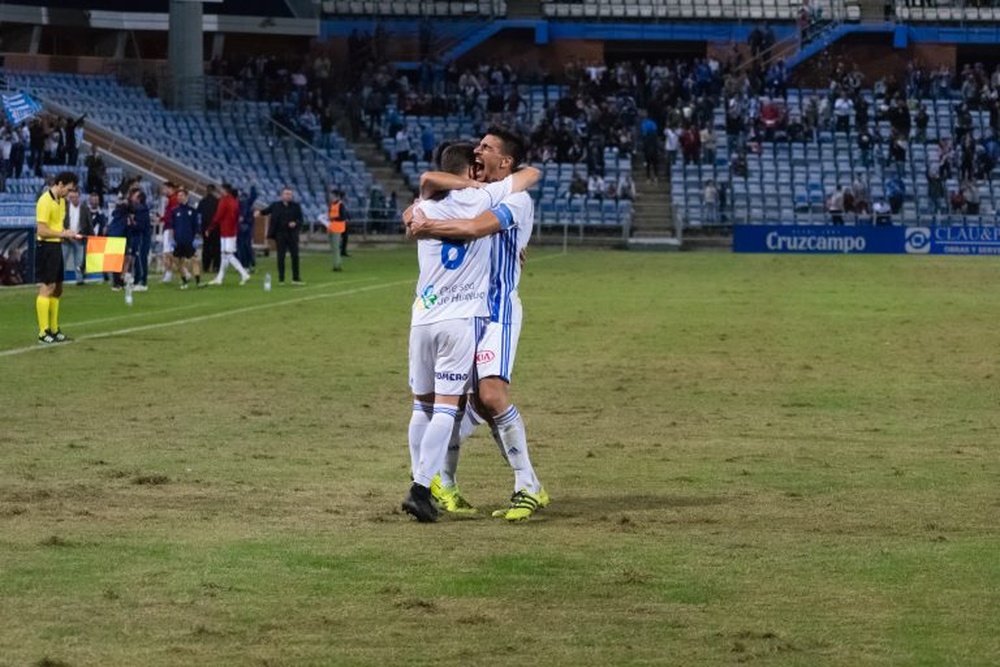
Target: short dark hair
{"x":513,"y":143}
{"x":65,"y":178}
{"x":230,"y":189}
{"x":457,"y":158}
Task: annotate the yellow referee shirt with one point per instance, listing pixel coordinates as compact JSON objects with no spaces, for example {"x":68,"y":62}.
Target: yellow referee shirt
{"x":50,"y":212}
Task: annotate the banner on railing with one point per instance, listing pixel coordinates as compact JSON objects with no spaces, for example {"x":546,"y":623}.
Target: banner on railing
{"x":17,"y":255}
{"x":868,"y":239}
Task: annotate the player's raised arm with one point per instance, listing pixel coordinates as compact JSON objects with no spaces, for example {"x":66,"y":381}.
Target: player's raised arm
{"x":525,"y":178}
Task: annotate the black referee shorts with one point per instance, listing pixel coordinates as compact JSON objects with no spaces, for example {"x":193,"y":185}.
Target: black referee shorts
{"x":48,"y":262}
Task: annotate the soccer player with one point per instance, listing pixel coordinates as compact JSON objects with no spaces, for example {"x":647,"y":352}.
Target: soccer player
{"x":170,"y":200}
{"x":50,"y":212}
{"x":450,"y":299}
{"x":185,"y":225}
{"x":497,"y":155}
{"x":226,"y":220}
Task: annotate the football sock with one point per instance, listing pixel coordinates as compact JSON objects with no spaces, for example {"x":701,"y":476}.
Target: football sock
{"x":53,"y":314}
{"x":434,"y":444}
{"x":467,"y":421}
{"x":510,"y":434}
{"x":42,"y":310}
{"x":419,"y":419}
{"x":454,"y":448}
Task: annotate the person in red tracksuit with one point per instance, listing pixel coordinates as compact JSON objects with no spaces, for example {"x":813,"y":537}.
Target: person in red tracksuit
{"x":226,"y":220}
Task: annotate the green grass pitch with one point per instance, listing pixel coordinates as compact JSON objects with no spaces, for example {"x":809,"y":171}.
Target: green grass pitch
{"x":768,"y":460}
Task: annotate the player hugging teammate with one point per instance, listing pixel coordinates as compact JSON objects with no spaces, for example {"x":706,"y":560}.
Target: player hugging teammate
{"x":472,"y":224}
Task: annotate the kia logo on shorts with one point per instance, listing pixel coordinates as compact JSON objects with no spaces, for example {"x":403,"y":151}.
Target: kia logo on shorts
{"x":484,"y":356}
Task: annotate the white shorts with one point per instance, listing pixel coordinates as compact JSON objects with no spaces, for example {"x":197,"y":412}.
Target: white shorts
{"x":228,"y":244}
{"x":168,"y":240}
{"x":441,"y":356}
{"x":496,"y":350}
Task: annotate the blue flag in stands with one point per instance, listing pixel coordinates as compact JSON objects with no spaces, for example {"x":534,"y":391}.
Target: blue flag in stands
{"x":19,"y":107}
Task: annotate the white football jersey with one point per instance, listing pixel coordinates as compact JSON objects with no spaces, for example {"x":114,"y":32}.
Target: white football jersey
{"x":454,"y":275}
{"x":517,"y":218}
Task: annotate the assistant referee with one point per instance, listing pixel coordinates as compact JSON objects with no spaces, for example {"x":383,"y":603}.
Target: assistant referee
{"x":50,"y":215}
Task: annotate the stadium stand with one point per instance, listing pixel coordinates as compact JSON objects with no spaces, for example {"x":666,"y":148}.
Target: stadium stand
{"x":238,"y":143}
{"x":788,"y":180}
{"x":555,"y":204}
{"x":946,"y":11}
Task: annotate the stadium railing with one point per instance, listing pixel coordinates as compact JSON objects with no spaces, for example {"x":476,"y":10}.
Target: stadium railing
{"x":437,"y":8}
{"x":754,"y":10}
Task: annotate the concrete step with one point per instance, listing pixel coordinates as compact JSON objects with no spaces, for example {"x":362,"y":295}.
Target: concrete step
{"x":654,"y":244}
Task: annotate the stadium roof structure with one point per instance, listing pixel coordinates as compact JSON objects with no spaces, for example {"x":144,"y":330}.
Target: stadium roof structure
{"x":252,"y":16}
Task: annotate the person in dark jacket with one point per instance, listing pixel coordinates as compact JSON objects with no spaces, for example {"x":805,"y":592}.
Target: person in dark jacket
{"x":140,"y":238}
{"x":244,"y":235}
{"x":285,"y":224}
{"x":118,"y":226}
{"x":210,"y":252}
{"x":186,"y":225}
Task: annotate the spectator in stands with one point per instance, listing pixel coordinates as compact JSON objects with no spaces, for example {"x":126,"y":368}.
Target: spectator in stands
{"x":403,"y":151}
{"x":18,"y":151}
{"x":596,"y":186}
{"x":37,"y":145}
{"x":670,"y":144}
{"x":898,"y":116}
{"x":96,"y":172}
{"x":626,"y":186}
{"x":738,"y":164}
{"x":707,"y":137}
{"x":861,"y":194}
{"x":210,"y":252}
{"x":895,"y":192}
{"x":897,"y":152}
{"x":922,"y":121}
{"x":835,"y":205}
{"x":866,"y":143}
{"x":577,"y":185}
{"x":690,"y":141}
{"x":843,"y":109}
{"x":935,"y":187}
{"x":650,"y":148}
{"x":6,"y":147}
{"x":883,"y":214}
{"x":710,"y":202}
{"x":970,"y":193}
{"x":53,"y":147}
{"x":427,"y":142}
{"x":73,"y":138}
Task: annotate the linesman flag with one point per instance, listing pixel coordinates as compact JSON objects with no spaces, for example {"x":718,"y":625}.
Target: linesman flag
{"x":20,"y":106}
{"x":105,"y":254}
